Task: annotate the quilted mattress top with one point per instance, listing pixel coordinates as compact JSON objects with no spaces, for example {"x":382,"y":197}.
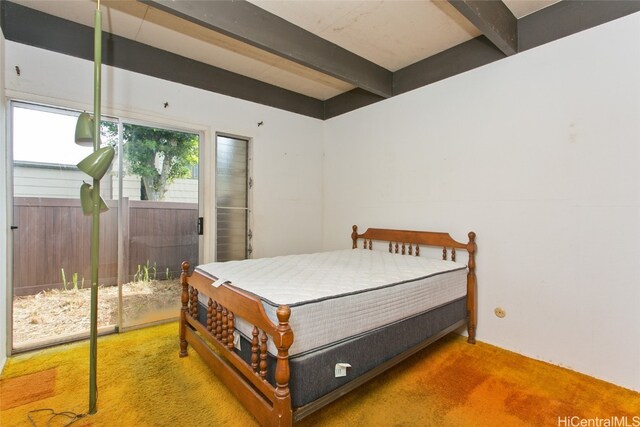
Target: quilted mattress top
{"x":300,"y":279}
{"x":338,"y":295}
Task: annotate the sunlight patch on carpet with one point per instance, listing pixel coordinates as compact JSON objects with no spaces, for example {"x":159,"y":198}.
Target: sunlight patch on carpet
{"x":20,"y":390}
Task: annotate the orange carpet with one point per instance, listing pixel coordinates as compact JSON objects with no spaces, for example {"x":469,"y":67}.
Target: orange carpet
{"x":142,"y":382}
{"x":19,"y":391}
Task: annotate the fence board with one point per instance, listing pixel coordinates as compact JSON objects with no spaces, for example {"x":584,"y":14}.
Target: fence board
{"x":54,"y":234}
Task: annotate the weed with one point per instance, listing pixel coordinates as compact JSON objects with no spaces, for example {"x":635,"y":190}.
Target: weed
{"x":138,"y":276}
{"x":64,"y":279}
{"x":145,"y":269}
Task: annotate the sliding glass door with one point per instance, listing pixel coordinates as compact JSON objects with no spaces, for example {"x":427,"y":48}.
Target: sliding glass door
{"x":160,"y":210}
{"x":51,"y":236}
{"x":151,"y":226}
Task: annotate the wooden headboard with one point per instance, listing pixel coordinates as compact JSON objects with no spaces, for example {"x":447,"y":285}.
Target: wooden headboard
{"x":408,"y":242}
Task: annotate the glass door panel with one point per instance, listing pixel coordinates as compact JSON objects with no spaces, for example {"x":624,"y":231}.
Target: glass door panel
{"x":160,"y":209}
{"x":151,"y":226}
{"x":232,"y":208}
{"x":51,"y":235}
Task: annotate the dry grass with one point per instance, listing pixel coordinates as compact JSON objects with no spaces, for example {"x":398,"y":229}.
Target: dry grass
{"x":58,"y":313}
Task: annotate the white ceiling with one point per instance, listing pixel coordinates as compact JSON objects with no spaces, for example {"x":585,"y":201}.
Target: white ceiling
{"x":390,"y":33}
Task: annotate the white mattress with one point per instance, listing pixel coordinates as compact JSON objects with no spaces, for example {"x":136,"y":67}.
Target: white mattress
{"x":337,"y":295}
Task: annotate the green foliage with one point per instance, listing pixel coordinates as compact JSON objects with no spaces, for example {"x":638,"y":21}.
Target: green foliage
{"x":154,"y":269}
{"x":74,"y":280}
{"x":145,"y":269}
{"x":138,"y":276}
{"x":158,"y":156}
{"x":142,"y":275}
{"x":64,"y":278}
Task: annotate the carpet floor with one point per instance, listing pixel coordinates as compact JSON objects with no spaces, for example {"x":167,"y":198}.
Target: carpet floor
{"x":143,"y":382}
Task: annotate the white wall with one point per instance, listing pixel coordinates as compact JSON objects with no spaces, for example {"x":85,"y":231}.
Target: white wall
{"x":3,"y":213}
{"x":539,"y":154}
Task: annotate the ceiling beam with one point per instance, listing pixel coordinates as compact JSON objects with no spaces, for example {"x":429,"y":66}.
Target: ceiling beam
{"x":349,"y":101}
{"x":250,"y":24}
{"x":453,"y":61}
{"x":28,"y":26}
{"x":494,"y":20}
{"x":569,"y":17}
{"x":24,"y":25}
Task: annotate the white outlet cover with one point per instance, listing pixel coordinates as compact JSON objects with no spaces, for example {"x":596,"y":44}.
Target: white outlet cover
{"x":341,"y":369}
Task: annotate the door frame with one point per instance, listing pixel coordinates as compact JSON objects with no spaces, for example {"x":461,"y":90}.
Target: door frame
{"x":119,"y":116}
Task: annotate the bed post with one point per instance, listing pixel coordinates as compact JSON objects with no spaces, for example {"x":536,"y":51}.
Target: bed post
{"x":282,"y":403}
{"x":185,"y":306}
{"x":354,"y":237}
{"x":472,"y":288}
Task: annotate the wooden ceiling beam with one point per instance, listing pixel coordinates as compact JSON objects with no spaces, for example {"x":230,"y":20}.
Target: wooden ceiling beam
{"x":494,"y":19}
{"x":28,"y":26}
{"x":250,"y":24}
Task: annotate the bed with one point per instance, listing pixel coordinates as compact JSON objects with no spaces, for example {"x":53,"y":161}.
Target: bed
{"x":354,"y":314}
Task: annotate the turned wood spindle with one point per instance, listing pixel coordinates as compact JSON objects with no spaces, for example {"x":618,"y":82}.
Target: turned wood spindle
{"x":417,"y":250}
{"x":472,"y":285}
{"x":184,"y":310}
{"x":254,"y":349}
{"x":210,"y":315}
{"x":194,"y":304}
{"x":410,"y":249}
{"x":190,"y":300}
{"x":403,"y":249}
{"x":285,"y":336}
{"x":390,"y":248}
{"x":225,"y":333}
{"x":263,"y":355}
{"x":444,"y":253}
{"x":396,"y":247}
{"x":218,"y":322}
{"x":230,"y":330}
{"x":453,"y":254}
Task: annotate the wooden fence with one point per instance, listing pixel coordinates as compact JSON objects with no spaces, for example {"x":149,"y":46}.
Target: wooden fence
{"x":53,"y":234}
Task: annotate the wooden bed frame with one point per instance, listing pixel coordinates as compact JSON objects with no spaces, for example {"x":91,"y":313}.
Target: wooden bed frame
{"x":271,"y":406}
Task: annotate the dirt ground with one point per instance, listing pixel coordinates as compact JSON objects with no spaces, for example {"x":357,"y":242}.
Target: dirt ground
{"x":55,"y":314}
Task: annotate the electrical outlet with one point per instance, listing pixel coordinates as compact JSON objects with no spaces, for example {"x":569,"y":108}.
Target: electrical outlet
{"x":499,"y":311}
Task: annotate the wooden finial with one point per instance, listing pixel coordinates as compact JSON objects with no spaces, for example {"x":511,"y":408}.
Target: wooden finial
{"x":283,"y":312}
{"x":354,"y":236}
{"x":186,"y":266}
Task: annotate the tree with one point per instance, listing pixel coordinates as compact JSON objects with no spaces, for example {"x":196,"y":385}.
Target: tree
{"x":157,"y":156}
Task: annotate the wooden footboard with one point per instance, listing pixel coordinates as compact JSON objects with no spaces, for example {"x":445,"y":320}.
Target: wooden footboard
{"x":270,"y":405}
